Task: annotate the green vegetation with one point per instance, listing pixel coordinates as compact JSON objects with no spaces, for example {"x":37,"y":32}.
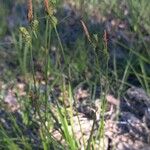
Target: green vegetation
{"x":42,"y":58}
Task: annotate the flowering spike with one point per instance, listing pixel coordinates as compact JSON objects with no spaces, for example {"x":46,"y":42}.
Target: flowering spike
{"x":30,"y":11}
{"x":49,"y":7}
{"x":86,"y":30}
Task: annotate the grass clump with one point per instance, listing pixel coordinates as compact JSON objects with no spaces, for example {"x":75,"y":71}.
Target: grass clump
{"x":52,"y":70}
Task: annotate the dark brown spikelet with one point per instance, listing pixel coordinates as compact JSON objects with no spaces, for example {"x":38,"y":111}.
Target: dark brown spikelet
{"x":105,"y":38}
{"x":30,"y":10}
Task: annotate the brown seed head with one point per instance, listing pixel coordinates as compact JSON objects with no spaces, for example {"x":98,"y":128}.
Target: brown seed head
{"x":30,"y":11}
{"x":46,"y":5}
{"x":49,"y":8}
{"x":105,"y":38}
{"x":86,"y":30}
